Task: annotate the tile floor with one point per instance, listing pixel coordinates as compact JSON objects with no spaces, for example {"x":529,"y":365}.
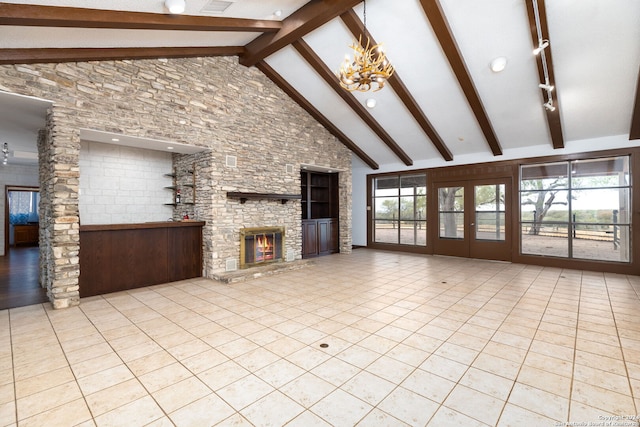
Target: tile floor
{"x":412,"y":340}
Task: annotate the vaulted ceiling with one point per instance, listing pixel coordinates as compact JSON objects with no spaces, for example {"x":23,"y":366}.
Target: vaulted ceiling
{"x":442,"y":103}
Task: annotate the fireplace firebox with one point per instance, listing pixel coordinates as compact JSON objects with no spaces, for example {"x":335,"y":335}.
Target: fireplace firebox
{"x":261,"y":245}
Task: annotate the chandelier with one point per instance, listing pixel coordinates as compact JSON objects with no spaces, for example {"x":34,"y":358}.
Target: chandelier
{"x":369,"y":66}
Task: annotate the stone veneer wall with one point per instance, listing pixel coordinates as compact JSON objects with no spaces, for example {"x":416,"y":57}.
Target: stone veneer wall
{"x":214,"y":103}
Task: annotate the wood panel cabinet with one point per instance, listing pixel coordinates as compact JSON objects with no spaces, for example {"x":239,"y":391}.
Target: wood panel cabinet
{"x":25,"y":234}
{"x":320,"y":211}
{"x":126,"y":256}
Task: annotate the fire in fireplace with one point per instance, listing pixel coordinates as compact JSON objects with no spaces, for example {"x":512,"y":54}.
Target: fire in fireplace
{"x":261,"y":245}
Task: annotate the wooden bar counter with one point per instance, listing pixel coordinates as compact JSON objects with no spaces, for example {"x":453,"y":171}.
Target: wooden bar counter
{"x":118,"y":257}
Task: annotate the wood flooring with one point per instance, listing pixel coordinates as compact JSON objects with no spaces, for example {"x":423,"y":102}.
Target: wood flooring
{"x":19,"y":274}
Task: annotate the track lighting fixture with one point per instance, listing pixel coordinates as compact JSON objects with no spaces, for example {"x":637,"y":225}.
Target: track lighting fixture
{"x":542,"y":45}
{"x":175,"y":7}
{"x":5,"y":154}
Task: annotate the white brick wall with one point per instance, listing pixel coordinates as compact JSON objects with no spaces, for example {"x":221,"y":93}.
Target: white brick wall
{"x":14,"y":175}
{"x":122,"y":185}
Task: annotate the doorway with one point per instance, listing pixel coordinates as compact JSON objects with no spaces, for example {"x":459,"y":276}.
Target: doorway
{"x":474,"y":219}
{"x":19,"y":267}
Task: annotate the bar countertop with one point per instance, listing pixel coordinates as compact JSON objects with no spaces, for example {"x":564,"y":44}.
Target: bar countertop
{"x":142,"y":225}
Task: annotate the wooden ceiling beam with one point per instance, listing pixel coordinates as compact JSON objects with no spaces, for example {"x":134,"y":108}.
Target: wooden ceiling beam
{"x":321,"y":68}
{"x":313,"y":111}
{"x":52,"y":16}
{"x":553,"y":117}
{"x":634,"y":132}
{"x":294,"y":27}
{"x":355,"y":25}
{"x":443,"y":33}
{"x":59,"y":55}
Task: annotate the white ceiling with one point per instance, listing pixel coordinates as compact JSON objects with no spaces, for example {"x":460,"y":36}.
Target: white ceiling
{"x":596,"y":59}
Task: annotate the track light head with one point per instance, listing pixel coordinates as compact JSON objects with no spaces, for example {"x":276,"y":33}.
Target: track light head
{"x":549,"y":106}
{"x":546,"y":87}
{"x":542,"y":45}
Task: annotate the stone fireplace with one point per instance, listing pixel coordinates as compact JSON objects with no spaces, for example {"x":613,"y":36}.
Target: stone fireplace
{"x":261,"y":245}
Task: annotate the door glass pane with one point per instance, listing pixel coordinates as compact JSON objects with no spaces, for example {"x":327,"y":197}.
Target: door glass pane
{"x":451,"y":212}
{"x":386,"y":231}
{"x":408,"y":232}
{"x":490,"y":215}
{"x":547,"y":239}
{"x":607,"y":243}
{"x":386,"y":186}
{"x":610,"y":205}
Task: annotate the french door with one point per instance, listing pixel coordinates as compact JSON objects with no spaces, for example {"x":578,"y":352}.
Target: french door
{"x":474,"y":219}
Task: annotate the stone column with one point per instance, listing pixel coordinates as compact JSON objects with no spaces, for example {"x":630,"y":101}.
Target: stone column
{"x":59,"y":224}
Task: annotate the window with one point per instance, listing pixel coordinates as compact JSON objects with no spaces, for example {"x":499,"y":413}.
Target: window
{"x":577,"y":209}
{"x":400,"y":206}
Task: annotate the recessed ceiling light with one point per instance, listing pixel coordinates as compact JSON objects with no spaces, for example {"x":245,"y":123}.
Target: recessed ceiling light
{"x":175,"y":7}
{"x":371,"y":103}
{"x":498,"y":64}
{"x":278,"y":13}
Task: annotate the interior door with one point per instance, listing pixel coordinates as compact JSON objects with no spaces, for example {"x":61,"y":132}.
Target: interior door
{"x":474,"y":219}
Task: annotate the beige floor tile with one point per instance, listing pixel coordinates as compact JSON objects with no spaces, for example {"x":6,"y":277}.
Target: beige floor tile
{"x":181,"y":394}
{"x":307,"y":389}
{"x":275,"y":409}
{"x":113,"y":397}
{"x":205,"y":360}
{"x":390,"y":369}
{"x":543,"y":380}
{"x":8,"y":414}
{"x":73,"y":413}
{"x":308,"y":358}
{"x":139,"y":412}
{"x":222,"y":375}
{"x":446,"y":417}
{"x":244,"y":392}
{"x":602,"y":398}
{"x":150,"y":362}
{"x":105,"y":379}
{"x":209,"y":410}
{"x":341,"y":408}
{"x":488,"y":383}
{"x":47,"y":400}
{"x":408,"y":406}
{"x":497,"y":365}
{"x":444,"y":367}
{"x":368,"y":387}
{"x":335,"y":371}
{"x":284,"y":346}
{"x":164,"y":377}
{"x":41,"y":382}
{"x":279,"y":373}
{"x":515,"y":416}
{"x":485,"y":408}
{"x":539,"y":401}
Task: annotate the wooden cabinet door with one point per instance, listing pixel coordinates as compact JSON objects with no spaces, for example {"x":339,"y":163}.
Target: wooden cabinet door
{"x":309,"y":239}
{"x":324,"y":236}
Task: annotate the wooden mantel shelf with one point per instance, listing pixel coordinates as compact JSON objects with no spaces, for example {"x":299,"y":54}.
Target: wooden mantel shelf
{"x":258,"y":196}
